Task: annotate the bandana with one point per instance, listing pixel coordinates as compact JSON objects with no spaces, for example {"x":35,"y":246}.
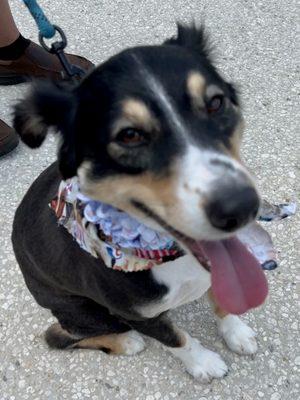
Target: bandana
{"x":125,"y":244}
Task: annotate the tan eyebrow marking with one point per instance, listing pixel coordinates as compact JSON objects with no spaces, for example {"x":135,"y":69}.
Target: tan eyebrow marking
{"x":196,"y":85}
{"x":136,"y":112}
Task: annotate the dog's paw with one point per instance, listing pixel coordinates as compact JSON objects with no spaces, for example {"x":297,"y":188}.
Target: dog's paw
{"x":200,"y":362}
{"x":238,"y":336}
{"x":207,"y":366}
{"x":132,"y":343}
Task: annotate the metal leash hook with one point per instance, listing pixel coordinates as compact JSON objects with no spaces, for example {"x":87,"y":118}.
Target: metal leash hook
{"x":72,"y":71}
{"x":48,"y":31}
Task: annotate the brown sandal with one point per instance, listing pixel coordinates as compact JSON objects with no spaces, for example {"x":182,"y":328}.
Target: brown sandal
{"x":8,"y":138}
{"x":37,"y":63}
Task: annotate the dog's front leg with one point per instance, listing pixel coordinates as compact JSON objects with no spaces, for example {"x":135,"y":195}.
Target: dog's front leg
{"x":200,"y":362}
{"x":238,"y":336}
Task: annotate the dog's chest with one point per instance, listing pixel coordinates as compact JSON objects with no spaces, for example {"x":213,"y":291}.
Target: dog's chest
{"x":186,"y":281}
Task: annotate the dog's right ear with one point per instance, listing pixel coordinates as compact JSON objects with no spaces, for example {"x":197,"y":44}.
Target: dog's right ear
{"x":47,"y":105}
{"x":194,"y":38}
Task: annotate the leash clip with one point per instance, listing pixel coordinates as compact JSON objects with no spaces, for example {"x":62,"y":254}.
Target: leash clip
{"x":71,"y":71}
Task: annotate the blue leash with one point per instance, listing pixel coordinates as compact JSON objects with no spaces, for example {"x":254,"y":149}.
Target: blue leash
{"x":48,"y":31}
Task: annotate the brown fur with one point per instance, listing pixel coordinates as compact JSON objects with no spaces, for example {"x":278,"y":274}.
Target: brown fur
{"x":196,"y":89}
{"x":114,"y":343}
{"x":158,"y":193}
{"x":235,"y":140}
{"x":219,"y":312}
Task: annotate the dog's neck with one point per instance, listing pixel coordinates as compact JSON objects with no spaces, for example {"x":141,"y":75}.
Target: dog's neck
{"x":116,"y":237}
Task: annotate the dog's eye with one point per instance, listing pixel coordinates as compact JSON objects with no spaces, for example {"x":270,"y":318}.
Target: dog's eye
{"x":131,"y":137}
{"x":215,"y":104}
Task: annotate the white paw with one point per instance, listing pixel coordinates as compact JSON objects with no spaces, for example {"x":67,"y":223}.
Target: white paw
{"x":200,"y":362}
{"x":132,"y":343}
{"x":207,"y":366}
{"x":238,"y":336}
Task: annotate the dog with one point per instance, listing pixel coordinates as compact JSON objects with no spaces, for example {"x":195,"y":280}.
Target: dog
{"x":155,"y":132}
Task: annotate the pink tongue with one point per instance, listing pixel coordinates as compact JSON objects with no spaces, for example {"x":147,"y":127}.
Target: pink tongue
{"x":238,"y":282}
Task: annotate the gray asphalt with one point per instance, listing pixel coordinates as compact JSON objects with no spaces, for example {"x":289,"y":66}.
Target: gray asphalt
{"x":256,"y":47}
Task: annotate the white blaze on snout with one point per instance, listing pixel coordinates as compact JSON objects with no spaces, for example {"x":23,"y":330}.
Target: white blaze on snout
{"x":201,"y":168}
{"x":200,"y":172}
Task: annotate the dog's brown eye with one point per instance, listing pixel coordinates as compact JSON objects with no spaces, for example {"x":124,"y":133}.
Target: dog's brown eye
{"x":131,"y":137}
{"x":214,"y":104}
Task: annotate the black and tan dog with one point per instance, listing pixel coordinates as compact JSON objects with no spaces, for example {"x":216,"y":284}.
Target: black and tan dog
{"x":155,"y":132}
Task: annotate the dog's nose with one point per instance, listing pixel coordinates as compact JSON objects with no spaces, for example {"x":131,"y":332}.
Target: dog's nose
{"x":231,"y":208}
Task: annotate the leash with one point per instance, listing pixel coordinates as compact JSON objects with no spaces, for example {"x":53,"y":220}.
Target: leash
{"x":48,"y":31}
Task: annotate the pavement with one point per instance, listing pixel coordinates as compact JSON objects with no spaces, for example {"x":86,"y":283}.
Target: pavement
{"x":256,"y":47}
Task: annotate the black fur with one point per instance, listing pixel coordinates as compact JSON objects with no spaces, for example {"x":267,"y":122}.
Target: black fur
{"x":58,"y":338}
{"x":193,"y":38}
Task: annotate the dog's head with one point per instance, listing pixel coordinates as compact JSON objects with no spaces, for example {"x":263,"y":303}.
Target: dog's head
{"x":154,"y":131}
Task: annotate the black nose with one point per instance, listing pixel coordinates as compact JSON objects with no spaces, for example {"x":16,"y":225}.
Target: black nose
{"x":232,"y":208}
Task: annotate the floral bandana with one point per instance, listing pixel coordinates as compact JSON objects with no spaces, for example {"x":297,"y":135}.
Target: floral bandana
{"x":125,"y":244}
{"x":111,"y":234}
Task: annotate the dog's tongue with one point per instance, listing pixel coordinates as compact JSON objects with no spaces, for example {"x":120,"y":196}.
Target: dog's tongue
{"x":238,"y":282}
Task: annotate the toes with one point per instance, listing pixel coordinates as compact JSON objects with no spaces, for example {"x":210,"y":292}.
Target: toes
{"x":209,"y":366}
{"x":243,"y":341}
{"x":200,"y":362}
{"x":238,"y":336}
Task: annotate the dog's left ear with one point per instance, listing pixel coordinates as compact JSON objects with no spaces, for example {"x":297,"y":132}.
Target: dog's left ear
{"x":48,"y":105}
{"x":193,"y":38}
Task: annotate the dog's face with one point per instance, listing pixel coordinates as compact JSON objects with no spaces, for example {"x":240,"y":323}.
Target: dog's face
{"x":154,"y":131}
